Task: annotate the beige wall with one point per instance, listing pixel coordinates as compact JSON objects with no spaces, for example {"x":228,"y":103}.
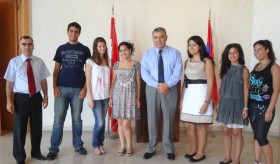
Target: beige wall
{"x":232,"y":21}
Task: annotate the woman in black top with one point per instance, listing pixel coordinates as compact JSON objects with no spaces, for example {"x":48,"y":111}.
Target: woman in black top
{"x":264,"y":92}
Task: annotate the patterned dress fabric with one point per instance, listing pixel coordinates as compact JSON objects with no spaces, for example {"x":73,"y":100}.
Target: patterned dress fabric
{"x":125,"y":93}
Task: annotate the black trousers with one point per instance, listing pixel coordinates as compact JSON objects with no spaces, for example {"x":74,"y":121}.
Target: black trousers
{"x":260,"y":129}
{"x":27,"y":107}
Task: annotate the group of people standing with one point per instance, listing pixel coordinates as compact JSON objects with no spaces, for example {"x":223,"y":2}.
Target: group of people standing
{"x":242,"y":94}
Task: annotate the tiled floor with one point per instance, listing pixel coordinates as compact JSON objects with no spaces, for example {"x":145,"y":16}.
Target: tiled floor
{"x":214,"y":151}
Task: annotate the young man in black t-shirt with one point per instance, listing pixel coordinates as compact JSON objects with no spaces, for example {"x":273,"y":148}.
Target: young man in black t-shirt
{"x":69,"y":88}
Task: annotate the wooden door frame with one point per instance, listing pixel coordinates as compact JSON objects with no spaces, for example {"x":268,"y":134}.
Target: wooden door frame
{"x":23,"y":7}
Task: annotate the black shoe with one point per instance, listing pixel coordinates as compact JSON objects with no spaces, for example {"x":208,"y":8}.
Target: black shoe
{"x":40,"y":157}
{"x":148,"y":155}
{"x":189,"y":155}
{"x":171,"y":156}
{"x":20,"y":162}
{"x":51,"y":156}
{"x":225,"y":162}
{"x":197,"y":160}
{"x":82,"y":151}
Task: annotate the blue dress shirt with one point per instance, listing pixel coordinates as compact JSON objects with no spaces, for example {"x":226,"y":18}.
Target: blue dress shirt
{"x":172,"y":62}
{"x":17,"y":73}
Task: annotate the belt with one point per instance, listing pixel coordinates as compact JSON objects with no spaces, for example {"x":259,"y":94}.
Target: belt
{"x":28,"y":94}
{"x":198,"y":81}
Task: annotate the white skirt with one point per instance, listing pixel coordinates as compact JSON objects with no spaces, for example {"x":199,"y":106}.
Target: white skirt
{"x":194,"y":98}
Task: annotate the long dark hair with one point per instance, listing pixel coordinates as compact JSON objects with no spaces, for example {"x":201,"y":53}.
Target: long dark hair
{"x":225,"y":62}
{"x":267,"y":45}
{"x":96,"y":55}
{"x":202,"y":51}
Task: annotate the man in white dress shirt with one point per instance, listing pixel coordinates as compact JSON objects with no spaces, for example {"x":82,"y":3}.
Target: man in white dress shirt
{"x":26,"y":77}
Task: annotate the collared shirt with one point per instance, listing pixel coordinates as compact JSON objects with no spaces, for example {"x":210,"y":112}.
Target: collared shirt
{"x":172,"y":63}
{"x":17,"y":73}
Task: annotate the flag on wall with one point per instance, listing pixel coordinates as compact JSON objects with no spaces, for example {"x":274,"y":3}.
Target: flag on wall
{"x":209,"y":48}
{"x":114,"y":58}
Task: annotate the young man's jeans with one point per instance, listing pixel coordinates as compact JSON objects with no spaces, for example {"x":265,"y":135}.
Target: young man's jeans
{"x":99,"y":112}
{"x":61,"y":104}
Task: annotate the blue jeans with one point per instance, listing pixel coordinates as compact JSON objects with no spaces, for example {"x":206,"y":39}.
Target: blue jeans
{"x":61,"y":104}
{"x":99,"y":112}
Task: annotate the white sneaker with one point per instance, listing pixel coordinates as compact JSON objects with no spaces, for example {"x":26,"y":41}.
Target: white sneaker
{"x":257,"y":162}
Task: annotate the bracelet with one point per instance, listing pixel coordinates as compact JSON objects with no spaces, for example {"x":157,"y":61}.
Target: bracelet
{"x":46,"y":97}
{"x":207,"y":102}
{"x":245,"y":108}
{"x":269,"y":111}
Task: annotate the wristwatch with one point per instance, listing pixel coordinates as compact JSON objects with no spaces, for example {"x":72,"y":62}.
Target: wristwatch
{"x":46,"y":97}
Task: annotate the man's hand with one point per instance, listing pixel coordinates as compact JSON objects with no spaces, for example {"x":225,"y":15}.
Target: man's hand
{"x":45,"y":103}
{"x":83,"y":93}
{"x":162,"y":88}
{"x":10,"y":107}
{"x":56,"y":92}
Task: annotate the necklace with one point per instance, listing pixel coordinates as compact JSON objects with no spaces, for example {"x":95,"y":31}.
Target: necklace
{"x":261,"y":66}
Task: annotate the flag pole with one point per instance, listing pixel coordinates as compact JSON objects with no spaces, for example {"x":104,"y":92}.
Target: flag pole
{"x":108,"y":125}
{"x":209,"y":14}
{"x":113,"y":136}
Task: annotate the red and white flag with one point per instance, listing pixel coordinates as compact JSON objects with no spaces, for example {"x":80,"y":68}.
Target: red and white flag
{"x":114,"y":58}
{"x":209,"y":48}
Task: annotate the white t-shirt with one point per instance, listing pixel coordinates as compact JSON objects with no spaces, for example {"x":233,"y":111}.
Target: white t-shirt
{"x":100,"y":80}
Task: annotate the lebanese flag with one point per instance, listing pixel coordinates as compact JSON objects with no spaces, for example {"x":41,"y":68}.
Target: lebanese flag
{"x":209,"y":48}
{"x":114,"y":58}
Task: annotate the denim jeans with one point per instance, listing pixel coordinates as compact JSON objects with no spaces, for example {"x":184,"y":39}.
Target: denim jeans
{"x":61,"y":104}
{"x":99,"y":112}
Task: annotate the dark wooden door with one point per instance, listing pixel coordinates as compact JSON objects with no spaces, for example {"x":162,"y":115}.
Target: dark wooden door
{"x":142,"y":134}
{"x":9,"y":49}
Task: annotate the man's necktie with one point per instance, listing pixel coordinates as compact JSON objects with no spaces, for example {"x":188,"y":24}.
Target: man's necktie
{"x":30,"y":76}
{"x":160,"y":68}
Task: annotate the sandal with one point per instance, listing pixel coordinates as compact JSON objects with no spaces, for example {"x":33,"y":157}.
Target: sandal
{"x":103,"y":150}
{"x":121,"y":153}
{"x":97,"y":151}
{"x":128,"y":154}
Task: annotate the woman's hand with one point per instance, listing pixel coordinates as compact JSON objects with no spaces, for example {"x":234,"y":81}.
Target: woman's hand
{"x":216,"y":108}
{"x":138,"y":104}
{"x":268,"y":116}
{"x":110,"y":103}
{"x":203,"y":108}
{"x":244,"y":114}
{"x":181,"y":105}
{"x":91,"y":103}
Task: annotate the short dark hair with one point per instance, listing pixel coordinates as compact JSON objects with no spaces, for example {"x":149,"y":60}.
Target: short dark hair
{"x":159,"y":29}
{"x":129,"y":45}
{"x":267,"y":45}
{"x":75,"y":24}
{"x":26,"y":37}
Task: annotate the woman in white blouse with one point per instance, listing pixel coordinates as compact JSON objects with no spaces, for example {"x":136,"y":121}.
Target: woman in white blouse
{"x":98,"y":83}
